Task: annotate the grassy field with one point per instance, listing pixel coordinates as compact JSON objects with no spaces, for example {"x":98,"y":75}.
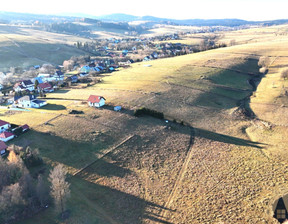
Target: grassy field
{"x":221,"y":167}
{"x":24,"y":47}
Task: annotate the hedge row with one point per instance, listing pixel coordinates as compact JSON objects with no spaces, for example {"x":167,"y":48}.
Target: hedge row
{"x":146,"y":111}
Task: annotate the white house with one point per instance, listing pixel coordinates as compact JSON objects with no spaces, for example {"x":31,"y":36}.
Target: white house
{"x":96,"y":101}
{"x":38,"y":103}
{"x":6,"y":136}
{"x":4,"y":125}
{"x":28,"y":84}
{"x":30,"y":101}
{"x":25,"y":85}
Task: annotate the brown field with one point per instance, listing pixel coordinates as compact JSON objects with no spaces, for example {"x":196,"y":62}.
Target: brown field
{"x":219,"y":167}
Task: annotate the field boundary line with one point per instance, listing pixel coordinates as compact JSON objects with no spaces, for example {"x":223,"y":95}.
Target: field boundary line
{"x":103,"y":155}
{"x":180,"y":175}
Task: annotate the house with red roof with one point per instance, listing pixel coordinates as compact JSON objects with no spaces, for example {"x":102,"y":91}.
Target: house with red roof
{"x":6,"y":136}
{"x":45,"y":87}
{"x":25,"y":127}
{"x":96,"y":101}
{"x":4,"y":125}
{"x":3,"y":148}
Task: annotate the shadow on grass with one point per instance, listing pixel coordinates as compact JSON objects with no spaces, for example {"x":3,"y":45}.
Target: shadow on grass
{"x":62,"y":91}
{"x":50,"y":106}
{"x":86,"y":196}
{"x":226,"y":138}
{"x":104,"y":169}
{"x":72,"y":153}
{"x":117,"y":205}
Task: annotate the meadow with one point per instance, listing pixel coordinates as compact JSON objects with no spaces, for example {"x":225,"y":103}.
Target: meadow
{"x":208,"y":164}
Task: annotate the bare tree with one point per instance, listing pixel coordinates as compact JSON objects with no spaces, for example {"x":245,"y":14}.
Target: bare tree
{"x":232,"y":42}
{"x":263,"y":70}
{"x":284,"y":73}
{"x":68,"y":65}
{"x":59,"y":187}
{"x":47,"y":68}
{"x":264,"y":61}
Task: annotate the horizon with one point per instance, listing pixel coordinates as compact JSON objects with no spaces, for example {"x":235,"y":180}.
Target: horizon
{"x":253,"y":10}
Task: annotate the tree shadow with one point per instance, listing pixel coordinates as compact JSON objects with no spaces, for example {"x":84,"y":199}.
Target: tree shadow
{"x":119,"y":206}
{"x":102,"y":168}
{"x":62,"y":91}
{"x":50,"y":106}
{"x":227,"y":139}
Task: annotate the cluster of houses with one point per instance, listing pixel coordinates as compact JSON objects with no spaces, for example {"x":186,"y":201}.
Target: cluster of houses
{"x":8,"y":132}
{"x":99,"y":66}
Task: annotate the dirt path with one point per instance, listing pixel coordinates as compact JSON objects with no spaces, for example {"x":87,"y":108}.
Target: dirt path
{"x":177,"y":185}
{"x":106,"y":152}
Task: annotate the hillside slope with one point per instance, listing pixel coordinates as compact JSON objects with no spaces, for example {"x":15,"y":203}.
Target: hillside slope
{"x":210,"y":163}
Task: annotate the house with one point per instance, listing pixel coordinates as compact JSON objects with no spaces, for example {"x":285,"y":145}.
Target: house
{"x":25,"y":127}
{"x":85,"y":69}
{"x":280,"y":212}
{"x":39,"y":80}
{"x":73,"y":78}
{"x":45,"y":87}
{"x":3,"y":148}
{"x":47,"y":77}
{"x":28,"y":84}
{"x":30,"y":101}
{"x":4,"y":125}
{"x":19,"y":88}
{"x":58,"y":76}
{"x":6,"y":136}
{"x":13,"y":100}
{"x":25,"y":85}
{"x":96,"y":101}
{"x":38,"y":103}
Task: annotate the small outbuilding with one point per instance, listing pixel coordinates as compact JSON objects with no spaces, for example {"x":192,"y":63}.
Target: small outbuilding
{"x":3,"y":148}
{"x":117,"y":108}
{"x":96,"y":101}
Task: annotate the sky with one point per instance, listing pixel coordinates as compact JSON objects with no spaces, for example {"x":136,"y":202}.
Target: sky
{"x":176,"y":9}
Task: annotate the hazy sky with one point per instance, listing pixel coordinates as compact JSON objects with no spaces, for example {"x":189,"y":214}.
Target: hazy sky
{"x":178,"y":9}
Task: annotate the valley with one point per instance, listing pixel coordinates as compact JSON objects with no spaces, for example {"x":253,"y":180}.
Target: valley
{"x":205,"y":162}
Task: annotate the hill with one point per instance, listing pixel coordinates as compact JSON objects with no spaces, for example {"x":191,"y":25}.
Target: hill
{"x":22,"y":46}
{"x":118,"y":17}
{"x":216,"y":160}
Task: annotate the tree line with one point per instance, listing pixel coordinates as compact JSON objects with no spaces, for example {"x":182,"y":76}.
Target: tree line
{"x":23,"y":194}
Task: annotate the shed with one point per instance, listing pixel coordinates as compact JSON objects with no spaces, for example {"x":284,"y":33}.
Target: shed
{"x":117,"y":108}
{"x":3,"y":148}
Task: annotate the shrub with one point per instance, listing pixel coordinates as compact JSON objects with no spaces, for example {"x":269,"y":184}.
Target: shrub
{"x":284,"y":73}
{"x":146,"y":111}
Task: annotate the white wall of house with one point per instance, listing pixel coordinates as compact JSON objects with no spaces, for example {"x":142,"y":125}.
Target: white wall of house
{"x":100,"y":104}
{"x":7,"y":139}
{"x":24,"y":103}
{"x":36,"y":105}
{"x":4,"y":127}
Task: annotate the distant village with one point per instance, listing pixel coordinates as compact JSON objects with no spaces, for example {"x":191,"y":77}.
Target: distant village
{"x":28,"y":89}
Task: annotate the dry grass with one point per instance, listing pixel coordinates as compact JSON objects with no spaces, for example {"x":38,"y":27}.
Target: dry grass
{"x":237,"y":167}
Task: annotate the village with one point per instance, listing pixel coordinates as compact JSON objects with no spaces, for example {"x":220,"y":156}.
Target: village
{"x":29,"y":91}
